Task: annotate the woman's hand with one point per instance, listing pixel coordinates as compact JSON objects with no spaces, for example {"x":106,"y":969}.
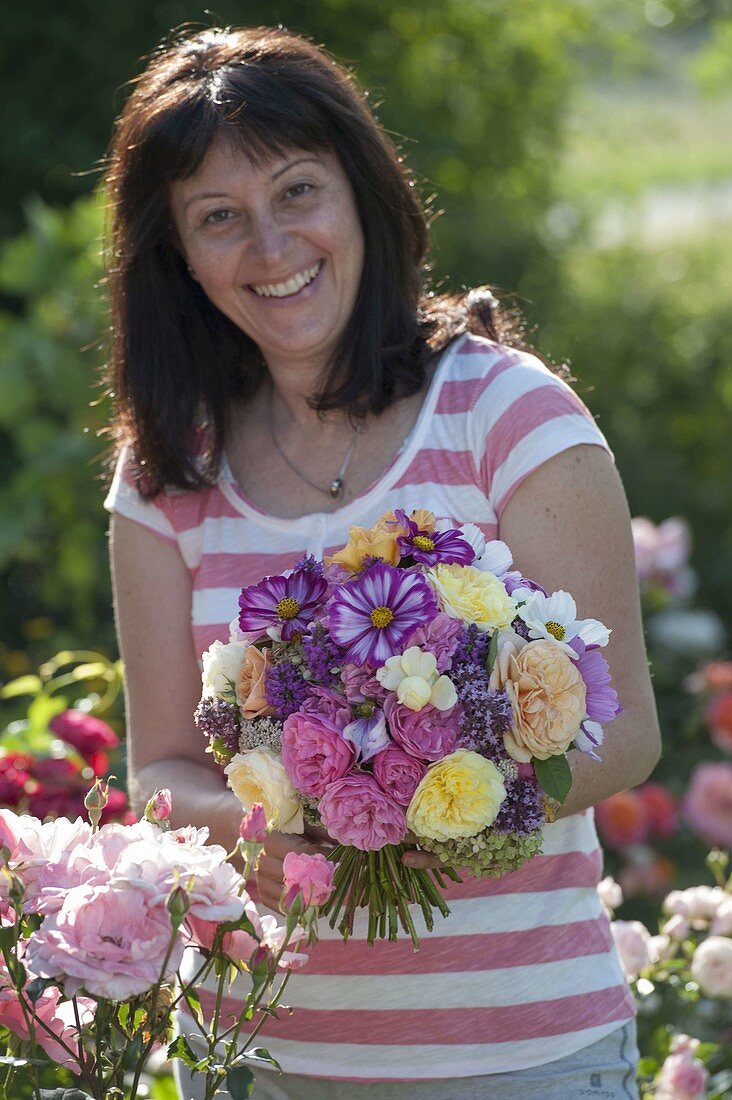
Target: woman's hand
{"x":270,"y":872}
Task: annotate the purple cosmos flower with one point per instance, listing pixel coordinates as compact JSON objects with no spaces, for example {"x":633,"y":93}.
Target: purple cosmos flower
{"x":431,"y":548}
{"x":368,"y":735}
{"x":602,"y":700}
{"x":374,"y":615}
{"x":286,"y":603}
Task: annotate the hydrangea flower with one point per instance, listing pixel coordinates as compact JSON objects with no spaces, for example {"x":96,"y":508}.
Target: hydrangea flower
{"x":430,"y":547}
{"x":282,"y":607}
{"x":374,"y":615}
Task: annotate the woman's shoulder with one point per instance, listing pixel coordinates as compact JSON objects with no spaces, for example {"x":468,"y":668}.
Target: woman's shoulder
{"x":485,"y":376}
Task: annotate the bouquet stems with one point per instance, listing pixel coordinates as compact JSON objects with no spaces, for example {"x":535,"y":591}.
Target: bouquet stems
{"x":379,"y":882}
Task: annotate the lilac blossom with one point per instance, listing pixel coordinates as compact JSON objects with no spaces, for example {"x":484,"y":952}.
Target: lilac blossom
{"x":522,"y":810}
{"x":282,"y":606}
{"x":219,"y":721}
{"x":374,"y":616}
{"x":322,"y":656}
{"x":285,"y":689}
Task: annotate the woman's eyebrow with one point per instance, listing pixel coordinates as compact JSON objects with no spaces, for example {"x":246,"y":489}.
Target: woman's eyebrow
{"x":204,"y":195}
{"x":292,"y":163}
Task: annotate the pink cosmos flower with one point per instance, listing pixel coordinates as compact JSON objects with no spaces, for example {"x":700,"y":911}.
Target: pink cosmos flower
{"x":314,"y":752}
{"x":355,"y":810}
{"x":110,"y":942}
{"x":373,"y":616}
{"x":427,"y":734}
{"x":309,"y":875}
{"x":398,"y":773}
{"x":708,"y":803}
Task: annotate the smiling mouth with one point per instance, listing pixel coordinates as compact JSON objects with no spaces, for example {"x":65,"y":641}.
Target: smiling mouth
{"x":289,"y":289}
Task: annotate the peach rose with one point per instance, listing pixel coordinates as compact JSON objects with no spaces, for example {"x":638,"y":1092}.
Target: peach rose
{"x":250,"y":683}
{"x":548,"y":696}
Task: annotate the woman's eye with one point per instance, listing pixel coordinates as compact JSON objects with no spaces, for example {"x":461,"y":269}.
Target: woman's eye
{"x":298,"y":189}
{"x":216,"y":217}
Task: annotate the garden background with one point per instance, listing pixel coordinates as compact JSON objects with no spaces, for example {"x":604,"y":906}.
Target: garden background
{"x":580,"y":155}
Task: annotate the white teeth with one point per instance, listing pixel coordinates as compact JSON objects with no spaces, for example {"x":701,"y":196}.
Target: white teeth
{"x":282,"y":290}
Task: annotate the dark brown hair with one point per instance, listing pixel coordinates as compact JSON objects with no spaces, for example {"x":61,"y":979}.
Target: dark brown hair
{"x":175,"y":358}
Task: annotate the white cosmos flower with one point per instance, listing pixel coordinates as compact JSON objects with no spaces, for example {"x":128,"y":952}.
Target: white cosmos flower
{"x":555,"y":617}
{"x":496,"y":558}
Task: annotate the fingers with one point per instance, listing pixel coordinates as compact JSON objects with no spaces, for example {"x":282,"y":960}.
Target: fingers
{"x":422,"y":860}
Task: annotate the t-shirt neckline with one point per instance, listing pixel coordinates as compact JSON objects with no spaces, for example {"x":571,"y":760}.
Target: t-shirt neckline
{"x":348,"y":513}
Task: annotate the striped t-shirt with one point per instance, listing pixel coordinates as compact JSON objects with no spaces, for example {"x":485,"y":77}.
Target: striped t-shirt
{"x":523,"y":971}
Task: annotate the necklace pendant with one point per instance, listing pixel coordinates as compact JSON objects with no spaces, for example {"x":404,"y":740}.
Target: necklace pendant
{"x":336,"y":488}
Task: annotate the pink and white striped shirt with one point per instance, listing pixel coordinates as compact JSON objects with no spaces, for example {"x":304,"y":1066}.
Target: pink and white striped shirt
{"x":523,"y":971}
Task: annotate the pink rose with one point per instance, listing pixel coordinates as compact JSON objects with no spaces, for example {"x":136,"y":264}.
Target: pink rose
{"x":58,"y":1018}
{"x":428,"y":734}
{"x":84,"y":732}
{"x":718,"y":717}
{"x":238,"y":945}
{"x":722,"y":921}
{"x":15,"y":778}
{"x":708,"y":803}
{"x":356,"y":811}
{"x":160,"y":806}
{"x":623,"y":819}
{"x":327,"y":704}
{"x":309,"y":875}
{"x":661,"y":807}
{"x":398,"y":773}
{"x":711,"y":966}
{"x":253,"y":826}
{"x":683,"y":1077}
{"x":359,"y":684}
{"x":632,"y":940}
{"x":314,"y":752}
{"x":11,"y":828}
{"x":110,"y":942}
{"x":439,"y":637}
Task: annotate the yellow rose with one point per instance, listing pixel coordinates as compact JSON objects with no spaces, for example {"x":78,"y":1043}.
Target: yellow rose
{"x":251,"y":683}
{"x":459,"y":796}
{"x":474,"y":596}
{"x":548,"y":696}
{"x":260,"y":776}
{"x":379,"y":541}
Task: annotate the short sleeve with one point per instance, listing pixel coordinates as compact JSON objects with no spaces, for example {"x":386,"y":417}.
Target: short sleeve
{"x":524,"y":416}
{"x":125,"y":499}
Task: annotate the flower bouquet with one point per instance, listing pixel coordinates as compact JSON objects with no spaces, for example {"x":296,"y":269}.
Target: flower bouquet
{"x":94,"y":926}
{"x":411,"y":690}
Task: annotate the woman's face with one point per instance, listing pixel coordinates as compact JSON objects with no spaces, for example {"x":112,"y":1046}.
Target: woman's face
{"x":278,"y":248}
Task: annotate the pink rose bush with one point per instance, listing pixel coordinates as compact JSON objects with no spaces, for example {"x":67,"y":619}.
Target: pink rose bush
{"x":96,"y":918}
{"x":363,"y":692}
{"x":686,"y":968}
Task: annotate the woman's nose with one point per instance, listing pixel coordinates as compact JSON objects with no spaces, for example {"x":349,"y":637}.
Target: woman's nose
{"x":268,"y":241}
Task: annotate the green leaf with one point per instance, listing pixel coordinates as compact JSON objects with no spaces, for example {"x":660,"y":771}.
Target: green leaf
{"x":240,"y":1082}
{"x":194,"y":1003}
{"x":260,"y":1054}
{"x":181,"y":1048}
{"x":492,"y":653}
{"x":43,"y":709}
{"x":554,"y":776}
{"x":24,"y":685}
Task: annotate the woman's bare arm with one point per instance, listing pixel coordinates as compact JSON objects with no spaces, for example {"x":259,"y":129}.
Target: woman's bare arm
{"x":568,"y":526}
{"x":152,"y":597}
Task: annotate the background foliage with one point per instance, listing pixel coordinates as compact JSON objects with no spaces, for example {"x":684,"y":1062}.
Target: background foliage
{"x":517,"y":121}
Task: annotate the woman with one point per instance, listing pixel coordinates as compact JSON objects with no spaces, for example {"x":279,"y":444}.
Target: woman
{"x":280,"y":373}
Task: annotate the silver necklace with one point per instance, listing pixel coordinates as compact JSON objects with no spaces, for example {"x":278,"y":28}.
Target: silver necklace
{"x":337,"y":486}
